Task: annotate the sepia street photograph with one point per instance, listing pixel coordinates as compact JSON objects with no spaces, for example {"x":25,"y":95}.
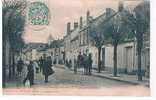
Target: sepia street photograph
{"x":76,"y":47}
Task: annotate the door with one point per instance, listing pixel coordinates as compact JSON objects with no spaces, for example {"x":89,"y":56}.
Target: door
{"x":129,"y":59}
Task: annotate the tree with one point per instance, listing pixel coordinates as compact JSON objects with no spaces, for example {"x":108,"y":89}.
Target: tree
{"x":16,"y":41}
{"x":109,"y":30}
{"x":96,"y":32}
{"x":98,"y":39}
{"x":114,"y":33}
{"x":14,"y":21}
{"x":138,"y":23}
{"x":13,"y":27}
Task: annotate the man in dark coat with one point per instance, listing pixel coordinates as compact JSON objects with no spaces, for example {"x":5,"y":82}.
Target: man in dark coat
{"x":85,"y":64}
{"x":79,"y":60}
{"x":30,"y":74}
{"x":41,"y":63}
{"x":20,"y":64}
{"x":47,"y":70}
{"x":75,"y":66}
{"x":90,"y":63}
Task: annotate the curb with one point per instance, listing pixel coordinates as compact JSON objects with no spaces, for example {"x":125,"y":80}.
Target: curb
{"x":111,"y":78}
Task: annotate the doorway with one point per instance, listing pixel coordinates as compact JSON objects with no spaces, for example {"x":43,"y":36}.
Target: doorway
{"x":129,"y":59}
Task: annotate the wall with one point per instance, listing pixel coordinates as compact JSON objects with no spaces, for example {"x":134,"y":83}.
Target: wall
{"x":122,"y":59}
{"x":126,"y":58}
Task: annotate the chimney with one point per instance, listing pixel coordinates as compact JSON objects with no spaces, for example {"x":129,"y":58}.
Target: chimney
{"x":88,"y":15}
{"x":121,"y":6}
{"x":75,"y":25}
{"x":109,"y":12}
{"x":68,"y":28}
{"x":81,"y":22}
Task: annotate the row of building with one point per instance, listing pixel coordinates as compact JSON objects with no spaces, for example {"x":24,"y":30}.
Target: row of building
{"x":34,"y":51}
{"x":78,"y":40}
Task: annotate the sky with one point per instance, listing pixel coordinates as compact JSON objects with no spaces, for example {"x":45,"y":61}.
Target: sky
{"x":63,"y":11}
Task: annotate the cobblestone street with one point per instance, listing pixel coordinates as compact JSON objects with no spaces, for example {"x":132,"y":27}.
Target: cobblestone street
{"x":65,"y":82}
{"x":65,"y":77}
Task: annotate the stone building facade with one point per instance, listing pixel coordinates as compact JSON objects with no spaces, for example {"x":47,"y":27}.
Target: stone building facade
{"x":78,"y":40}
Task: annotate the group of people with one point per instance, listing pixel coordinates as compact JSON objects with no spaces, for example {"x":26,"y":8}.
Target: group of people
{"x":83,"y":61}
{"x":43,"y":65}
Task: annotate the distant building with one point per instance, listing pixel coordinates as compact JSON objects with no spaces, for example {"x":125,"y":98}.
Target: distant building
{"x":33,"y":51}
{"x":50,"y":39}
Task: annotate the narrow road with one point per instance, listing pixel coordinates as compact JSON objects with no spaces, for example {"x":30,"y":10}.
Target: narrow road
{"x":65,"y":82}
{"x":66,"y":77}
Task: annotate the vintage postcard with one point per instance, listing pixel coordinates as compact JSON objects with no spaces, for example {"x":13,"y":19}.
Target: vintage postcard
{"x":76,"y":47}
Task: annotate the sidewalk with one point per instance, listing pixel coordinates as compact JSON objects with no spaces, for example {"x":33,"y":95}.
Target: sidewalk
{"x":131,"y":79}
{"x":15,"y":82}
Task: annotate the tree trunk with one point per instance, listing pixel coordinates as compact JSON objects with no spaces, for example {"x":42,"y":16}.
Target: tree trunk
{"x":10,"y":63}
{"x":115,"y":60}
{"x":99,"y":60}
{"x":4,"y":64}
{"x":13,"y":63}
{"x":139,"y":47}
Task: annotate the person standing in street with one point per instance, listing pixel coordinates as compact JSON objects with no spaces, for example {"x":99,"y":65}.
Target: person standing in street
{"x":35,"y":64}
{"x":79,"y":60}
{"x":75,"y":66}
{"x":20,"y":65}
{"x":41,"y":63}
{"x":90,"y":63}
{"x":85,"y":64}
{"x":45,"y":69}
{"x":70,"y":64}
{"x":30,"y":74}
